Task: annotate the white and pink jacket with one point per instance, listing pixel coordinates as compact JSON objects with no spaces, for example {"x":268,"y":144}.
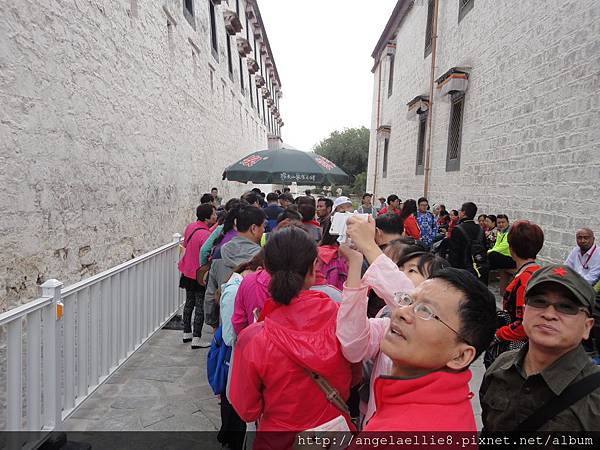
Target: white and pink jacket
{"x":359,"y":336}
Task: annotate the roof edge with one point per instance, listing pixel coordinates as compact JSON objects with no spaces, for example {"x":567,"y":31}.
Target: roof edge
{"x":254,"y":4}
{"x":398,"y":14}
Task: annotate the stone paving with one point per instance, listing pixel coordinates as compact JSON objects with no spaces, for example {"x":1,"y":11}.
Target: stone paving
{"x":163,"y":387}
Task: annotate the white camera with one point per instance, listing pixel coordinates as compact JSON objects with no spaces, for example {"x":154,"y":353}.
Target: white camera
{"x":338,"y":224}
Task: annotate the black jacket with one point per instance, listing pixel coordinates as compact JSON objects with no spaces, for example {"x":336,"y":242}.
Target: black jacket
{"x":459,"y":255}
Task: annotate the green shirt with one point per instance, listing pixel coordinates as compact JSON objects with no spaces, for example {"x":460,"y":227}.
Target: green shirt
{"x":501,"y":245}
{"x":508,"y":396}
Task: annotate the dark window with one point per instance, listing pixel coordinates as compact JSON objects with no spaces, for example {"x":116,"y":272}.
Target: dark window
{"x":386,"y":144}
{"x":455,"y":132}
{"x":429,"y":27}
{"x":237,"y":7}
{"x":421,"y":143}
{"x":229,"y":58}
{"x":464,"y":6}
{"x":391,"y":76}
{"x":258,"y":100}
{"x":188,"y":12}
{"x":264,"y":111}
{"x":251,"y":91}
{"x":241,"y":76}
{"x":213,"y":30}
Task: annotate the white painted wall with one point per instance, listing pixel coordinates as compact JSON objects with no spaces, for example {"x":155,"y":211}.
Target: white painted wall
{"x":111,"y":128}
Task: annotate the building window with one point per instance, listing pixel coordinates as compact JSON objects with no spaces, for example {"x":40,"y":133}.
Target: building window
{"x":258,"y":100}
{"x":386,"y":144}
{"x":429,"y":27}
{"x":464,"y":6}
{"x":251,"y":91}
{"x":229,"y":58}
{"x":241,"y":76}
{"x":391,"y":77}
{"x":421,"y":143}
{"x":213,"y":31}
{"x":188,"y":12}
{"x":455,"y":132}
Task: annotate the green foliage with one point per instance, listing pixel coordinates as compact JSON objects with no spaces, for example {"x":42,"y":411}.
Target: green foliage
{"x":349,"y":149}
{"x":360,"y":184}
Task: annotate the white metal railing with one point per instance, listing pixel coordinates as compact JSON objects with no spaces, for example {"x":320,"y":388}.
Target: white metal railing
{"x":61,"y":347}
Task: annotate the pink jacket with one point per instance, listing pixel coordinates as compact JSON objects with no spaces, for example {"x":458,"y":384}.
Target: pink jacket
{"x":332,"y":266}
{"x":190,"y":261}
{"x":252,"y":293}
{"x":360,"y":336}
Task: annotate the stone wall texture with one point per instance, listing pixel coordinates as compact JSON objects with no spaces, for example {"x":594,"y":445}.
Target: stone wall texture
{"x":531,"y":128}
{"x":114,"y":118}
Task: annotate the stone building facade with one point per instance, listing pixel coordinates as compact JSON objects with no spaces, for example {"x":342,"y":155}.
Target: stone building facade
{"x":115,"y":116}
{"x":515,"y":113}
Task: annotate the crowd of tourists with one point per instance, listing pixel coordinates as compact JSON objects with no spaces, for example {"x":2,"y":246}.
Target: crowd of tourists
{"x":377,"y":332}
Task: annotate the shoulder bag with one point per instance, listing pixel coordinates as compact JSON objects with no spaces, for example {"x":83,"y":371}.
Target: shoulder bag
{"x":559,"y":403}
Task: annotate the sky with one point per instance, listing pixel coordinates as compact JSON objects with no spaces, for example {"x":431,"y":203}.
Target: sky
{"x":322,"y":50}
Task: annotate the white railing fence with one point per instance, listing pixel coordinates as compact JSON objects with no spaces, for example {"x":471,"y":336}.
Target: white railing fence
{"x":61,"y":347}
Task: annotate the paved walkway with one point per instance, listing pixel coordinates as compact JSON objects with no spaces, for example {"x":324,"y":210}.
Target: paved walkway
{"x":162,"y":387}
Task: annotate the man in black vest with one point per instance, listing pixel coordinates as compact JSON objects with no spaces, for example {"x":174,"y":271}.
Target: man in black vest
{"x":467,"y":247}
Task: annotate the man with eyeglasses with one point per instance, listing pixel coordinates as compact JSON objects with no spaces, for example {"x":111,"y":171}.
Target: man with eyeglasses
{"x":541,"y":387}
{"x":434,"y":334}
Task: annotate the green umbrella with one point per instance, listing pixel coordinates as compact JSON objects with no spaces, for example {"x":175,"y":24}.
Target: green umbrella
{"x":285,"y":166}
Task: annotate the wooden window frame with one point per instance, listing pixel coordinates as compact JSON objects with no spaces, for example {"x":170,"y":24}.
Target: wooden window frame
{"x":214,"y":40}
{"x":464,"y":6}
{"x":421,"y":140}
{"x":386,"y":149}
{"x":392,"y":61}
{"x":189,"y":14}
{"x":455,"y":125}
{"x":429,"y":28}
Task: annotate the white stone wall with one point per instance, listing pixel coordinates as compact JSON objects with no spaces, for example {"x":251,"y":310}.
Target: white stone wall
{"x":531,"y":128}
{"x":112,"y":125}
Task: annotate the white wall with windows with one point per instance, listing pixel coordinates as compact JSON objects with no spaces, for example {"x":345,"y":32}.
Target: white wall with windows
{"x":528,"y":141}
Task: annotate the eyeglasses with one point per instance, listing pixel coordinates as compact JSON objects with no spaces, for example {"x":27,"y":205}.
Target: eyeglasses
{"x":567,"y":308}
{"x":422,"y":310}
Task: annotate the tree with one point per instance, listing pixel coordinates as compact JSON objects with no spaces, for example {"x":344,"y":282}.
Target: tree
{"x":360,"y":183}
{"x":349,"y":149}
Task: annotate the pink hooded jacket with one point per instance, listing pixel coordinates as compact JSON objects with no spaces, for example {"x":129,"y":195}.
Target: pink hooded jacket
{"x":252,"y":293}
{"x":360,"y":336}
{"x":190,"y":261}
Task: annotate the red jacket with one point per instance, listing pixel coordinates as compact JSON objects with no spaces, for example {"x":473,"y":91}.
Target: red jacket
{"x":411,"y":227}
{"x":268,"y":381}
{"x":514,"y":303}
{"x":387,"y":210}
{"x":439,"y":401}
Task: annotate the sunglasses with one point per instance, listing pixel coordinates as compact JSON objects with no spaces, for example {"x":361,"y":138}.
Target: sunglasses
{"x":566,"y":308}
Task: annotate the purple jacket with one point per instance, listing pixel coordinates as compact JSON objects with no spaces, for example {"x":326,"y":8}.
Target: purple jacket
{"x":252,"y":293}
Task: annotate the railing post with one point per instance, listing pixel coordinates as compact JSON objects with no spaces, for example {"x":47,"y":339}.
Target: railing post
{"x":52,"y":367}
{"x":177,"y":238}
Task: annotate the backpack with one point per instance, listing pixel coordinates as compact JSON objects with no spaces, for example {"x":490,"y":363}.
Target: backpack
{"x":335,"y":272}
{"x":217,"y":363}
{"x":476,"y":254}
